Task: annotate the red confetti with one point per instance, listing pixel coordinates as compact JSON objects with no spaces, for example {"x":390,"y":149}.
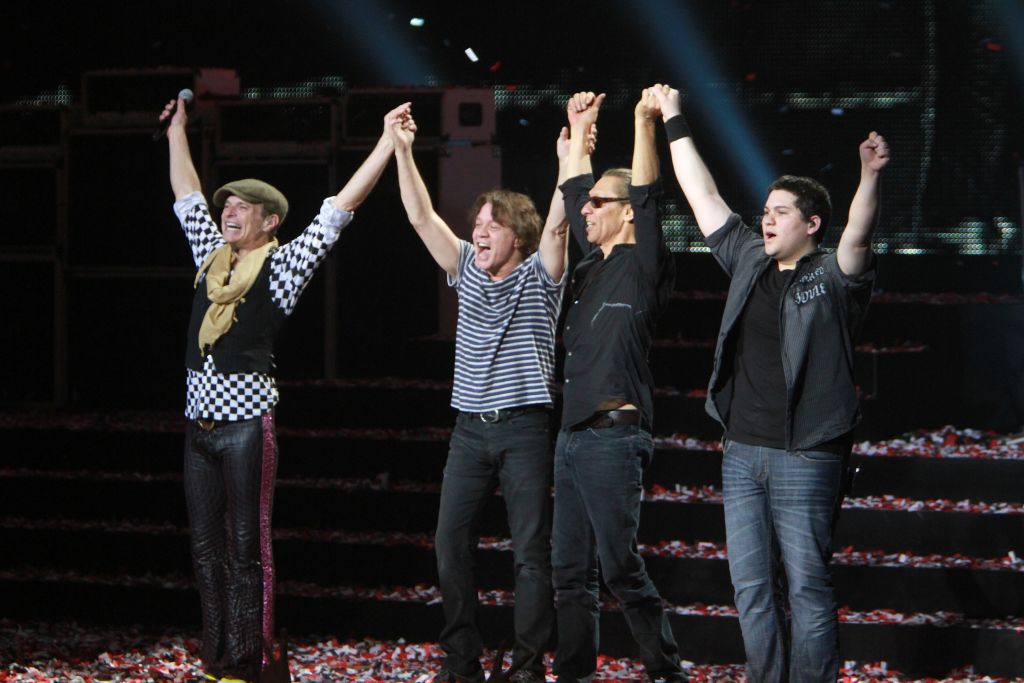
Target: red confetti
{"x":49,"y":652}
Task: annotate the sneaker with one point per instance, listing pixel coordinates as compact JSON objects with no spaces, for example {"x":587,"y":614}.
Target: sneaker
{"x":446,"y":676}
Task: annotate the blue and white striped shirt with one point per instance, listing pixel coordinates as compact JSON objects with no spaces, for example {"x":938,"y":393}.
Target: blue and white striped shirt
{"x":505,"y":336}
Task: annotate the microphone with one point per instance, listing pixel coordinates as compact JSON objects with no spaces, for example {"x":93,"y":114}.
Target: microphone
{"x":161,"y":129}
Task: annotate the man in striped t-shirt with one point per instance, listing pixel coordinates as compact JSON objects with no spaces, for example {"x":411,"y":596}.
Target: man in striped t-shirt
{"x":509,"y":281}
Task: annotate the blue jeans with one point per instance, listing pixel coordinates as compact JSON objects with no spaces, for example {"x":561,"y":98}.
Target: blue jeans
{"x":598,"y":491}
{"x":229,"y":482}
{"x":515,"y":453}
{"x":780,"y":510}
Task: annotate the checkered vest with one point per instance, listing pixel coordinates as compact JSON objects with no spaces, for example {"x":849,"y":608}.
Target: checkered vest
{"x":248,"y":346}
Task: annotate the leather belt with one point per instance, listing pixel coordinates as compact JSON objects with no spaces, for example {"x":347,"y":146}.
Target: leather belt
{"x":610,"y":418}
{"x":502,"y":414}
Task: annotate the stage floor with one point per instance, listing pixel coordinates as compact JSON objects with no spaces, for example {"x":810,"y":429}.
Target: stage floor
{"x":37,"y":652}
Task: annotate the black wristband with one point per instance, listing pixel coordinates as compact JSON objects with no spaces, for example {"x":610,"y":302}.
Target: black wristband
{"x":676,"y":128}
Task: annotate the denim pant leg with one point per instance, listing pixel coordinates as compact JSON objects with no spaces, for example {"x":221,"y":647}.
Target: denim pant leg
{"x":574,"y":572}
{"x":613,"y":489}
{"x":470,"y":478}
{"x":224,"y":477}
{"x":523,"y":444}
{"x":606,"y":466}
{"x":779,"y":511}
{"x":805,"y":490}
{"x":753,"y":560}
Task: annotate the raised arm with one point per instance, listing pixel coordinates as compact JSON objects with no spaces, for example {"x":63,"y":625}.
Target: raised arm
{"x":582,"y":110}
{"x":854,"y":251}
{"x":554,"y":239}
{"x":693,"y":176}
{"x":366,"y":176}
{"x":439,"y":239}
{"x":184,"y":179}
{"x":645,"y":173}
{"x":645,"y":156}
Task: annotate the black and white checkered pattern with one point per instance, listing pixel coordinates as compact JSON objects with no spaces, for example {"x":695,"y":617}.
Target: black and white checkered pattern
{"x":240,"y":396}
{"x":200,"y":230}
{"x":215,"y":396}
{"x":292,"y":266}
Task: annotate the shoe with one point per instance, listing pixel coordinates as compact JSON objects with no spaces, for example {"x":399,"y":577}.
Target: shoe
{"x":524,"y":676}
{"x":676,"y":677}
{"x":446,"y":676}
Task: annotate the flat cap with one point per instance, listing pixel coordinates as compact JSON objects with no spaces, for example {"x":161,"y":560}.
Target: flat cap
{"x":255,"y":191}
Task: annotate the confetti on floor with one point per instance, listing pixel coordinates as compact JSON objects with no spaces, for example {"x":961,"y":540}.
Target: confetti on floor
{"x":37,"y":652}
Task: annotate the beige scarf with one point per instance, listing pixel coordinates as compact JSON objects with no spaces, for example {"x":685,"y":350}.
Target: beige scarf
{"x":227,"y":289}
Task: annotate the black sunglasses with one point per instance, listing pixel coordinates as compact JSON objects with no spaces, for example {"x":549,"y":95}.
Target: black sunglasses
{"x":598,"y":202}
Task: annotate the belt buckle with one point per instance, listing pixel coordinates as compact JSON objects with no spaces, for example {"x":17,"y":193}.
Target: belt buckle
{"x":205,"y":424}
{"x":490,"y":416}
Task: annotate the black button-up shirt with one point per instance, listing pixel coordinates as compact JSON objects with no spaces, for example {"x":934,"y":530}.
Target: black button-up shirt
{"x":613,"y":310}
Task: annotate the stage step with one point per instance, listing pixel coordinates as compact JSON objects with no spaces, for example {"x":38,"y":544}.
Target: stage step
{"x":891,"y":523}
{"x":695,"y":572}
{"x":919,"y":467}
{"x":356,"y":507}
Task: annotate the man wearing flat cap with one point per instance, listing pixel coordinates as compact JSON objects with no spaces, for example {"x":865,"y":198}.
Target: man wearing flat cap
{"x":247,"y":284}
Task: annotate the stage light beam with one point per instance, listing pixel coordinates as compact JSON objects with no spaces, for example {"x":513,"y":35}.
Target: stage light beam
{"x":687,"y":56}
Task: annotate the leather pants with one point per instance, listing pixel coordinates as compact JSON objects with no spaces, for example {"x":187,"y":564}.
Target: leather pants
{"x":229,"y":479}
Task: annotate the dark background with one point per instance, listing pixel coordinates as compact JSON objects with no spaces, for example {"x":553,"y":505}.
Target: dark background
{"x":941,"y":79}
{"x":771,"y":88}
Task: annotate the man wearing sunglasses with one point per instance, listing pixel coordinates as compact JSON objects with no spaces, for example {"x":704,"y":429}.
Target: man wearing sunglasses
{"x":618,"y":289}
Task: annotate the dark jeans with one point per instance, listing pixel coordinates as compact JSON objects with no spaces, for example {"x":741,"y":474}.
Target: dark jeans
{"x":515,"y":453}
{"x":229,"y":484}
{"x":598,"y":490}
{"x":780,"y":509}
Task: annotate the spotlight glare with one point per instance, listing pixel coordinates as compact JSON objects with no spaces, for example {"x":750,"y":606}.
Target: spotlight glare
{"x":417,"y":22}
{"x":472,"y":55}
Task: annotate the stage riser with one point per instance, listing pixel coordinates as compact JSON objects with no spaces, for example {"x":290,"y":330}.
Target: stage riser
{"x":920,"y":478}
{"x":366,"y":407}
{"x":977,"y":593}
{"x":901,"y":391}
{"x":974,"y":535}
{"x":684,"y":365}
